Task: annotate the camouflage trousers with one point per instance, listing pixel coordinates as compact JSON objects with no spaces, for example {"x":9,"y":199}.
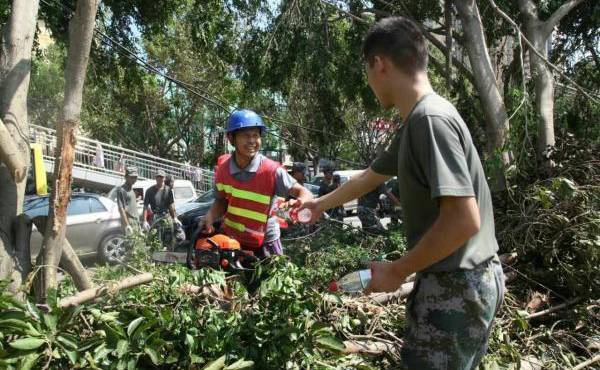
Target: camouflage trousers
{"x":449,"y":317}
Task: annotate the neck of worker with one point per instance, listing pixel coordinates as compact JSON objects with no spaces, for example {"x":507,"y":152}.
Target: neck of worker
{"x":241,"y":161}
{"x":414,"y":88}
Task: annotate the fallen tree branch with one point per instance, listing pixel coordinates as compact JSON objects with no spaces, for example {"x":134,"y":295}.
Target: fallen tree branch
{"x":402,"y":292}
{"x":369,"y":347}
{"x":552,"y":309}
{"x":586,"y":363}
{"x":96,"y":292}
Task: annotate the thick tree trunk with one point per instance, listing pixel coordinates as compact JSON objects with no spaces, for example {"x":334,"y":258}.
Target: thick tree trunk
{"x":69,"y":261}
{"x":81,"y":32}
{"x":538,"y":33}
{"x":497,"y":124}
{"x":15,"y":66}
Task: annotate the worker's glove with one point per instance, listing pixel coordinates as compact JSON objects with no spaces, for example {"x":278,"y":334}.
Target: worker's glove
{"x":128,"y":230}
{"x":177,"y":223}
{"x":145,"y":226}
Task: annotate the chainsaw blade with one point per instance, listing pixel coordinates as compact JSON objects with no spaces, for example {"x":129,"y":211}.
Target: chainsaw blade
{"x":170,"y":257}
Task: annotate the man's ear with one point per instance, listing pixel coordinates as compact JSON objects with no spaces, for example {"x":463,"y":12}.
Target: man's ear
{"x":230,"y":137}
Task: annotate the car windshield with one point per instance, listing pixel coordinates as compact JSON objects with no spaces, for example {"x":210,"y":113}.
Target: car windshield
{"x":182,"y":192}
{"x":206,"y":197}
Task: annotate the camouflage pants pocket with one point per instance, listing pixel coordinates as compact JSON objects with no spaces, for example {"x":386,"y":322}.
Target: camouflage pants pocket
{"x":449,"y":317}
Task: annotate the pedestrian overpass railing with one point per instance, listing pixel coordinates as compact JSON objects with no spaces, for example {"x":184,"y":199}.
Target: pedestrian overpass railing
{"x":111,"y":159}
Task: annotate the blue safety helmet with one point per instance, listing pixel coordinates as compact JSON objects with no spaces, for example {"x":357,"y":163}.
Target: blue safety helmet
{"x":244,"y":118}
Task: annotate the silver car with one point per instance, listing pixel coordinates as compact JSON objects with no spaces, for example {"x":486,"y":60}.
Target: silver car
{"x":93,"y":226}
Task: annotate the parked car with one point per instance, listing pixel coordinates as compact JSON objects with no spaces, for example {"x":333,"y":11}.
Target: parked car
{"x":351,"y":206}
{"x":190,"y":213}
{"x":93,"y":225}
{"x":314,"y":189}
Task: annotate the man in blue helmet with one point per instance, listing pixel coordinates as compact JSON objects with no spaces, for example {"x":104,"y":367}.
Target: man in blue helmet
{"x":247,"y":185}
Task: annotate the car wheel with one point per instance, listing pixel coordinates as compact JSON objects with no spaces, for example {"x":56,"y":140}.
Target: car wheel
{"x":112,"y":248}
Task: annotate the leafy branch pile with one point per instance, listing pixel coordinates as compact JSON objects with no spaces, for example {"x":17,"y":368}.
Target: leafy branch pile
{"x":282,"y":317}
{"x":553,"y":226}
{"x":203,"y":319}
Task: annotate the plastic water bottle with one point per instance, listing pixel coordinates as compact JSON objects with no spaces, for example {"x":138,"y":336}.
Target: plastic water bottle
{"x":353,"y":282}
{"x":292,"y":214}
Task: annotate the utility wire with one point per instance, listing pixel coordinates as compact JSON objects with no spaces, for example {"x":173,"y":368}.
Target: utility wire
{"x":220,"y":103}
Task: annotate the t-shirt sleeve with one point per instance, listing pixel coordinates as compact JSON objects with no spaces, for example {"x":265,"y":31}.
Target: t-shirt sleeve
{"x":387,"y":161}
{"x":440,"y":156}
{"x":283,"y":182}
{"x":149,"y":194}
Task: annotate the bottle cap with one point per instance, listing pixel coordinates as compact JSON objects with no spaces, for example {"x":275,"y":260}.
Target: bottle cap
{"x":333,"y":286}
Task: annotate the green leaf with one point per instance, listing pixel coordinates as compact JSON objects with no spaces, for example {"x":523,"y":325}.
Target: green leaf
{"x":27,"y":343}
{"x":122,"y":347}
{"x":68,"y":342}
{"x":33,"y":310}
{"x":50,"y":321}
{"x":217,"y":364}
{"x":240,"y":364}
{"x":133,"y":325}
{"x":19,"y":326}
{"x":331,"y":343}
{"x":29,"y":361}
{"x":153,"y":355}
{"x":72,"y":355}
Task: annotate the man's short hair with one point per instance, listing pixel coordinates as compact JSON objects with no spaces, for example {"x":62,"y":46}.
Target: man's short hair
{"x":299,"y":167}
{"x":399,"y":39}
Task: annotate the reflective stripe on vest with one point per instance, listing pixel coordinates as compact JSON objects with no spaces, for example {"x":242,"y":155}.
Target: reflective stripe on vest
{"x":244,"y":194}
{"x":235,"y":225}
{"x":253,"y":215}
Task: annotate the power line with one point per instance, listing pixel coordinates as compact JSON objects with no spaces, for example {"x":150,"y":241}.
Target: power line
{"x":218,"y":102}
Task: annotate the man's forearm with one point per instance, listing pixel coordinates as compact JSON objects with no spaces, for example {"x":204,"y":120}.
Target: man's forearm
{"x":353,"y":188}
{"x":216,"y":210}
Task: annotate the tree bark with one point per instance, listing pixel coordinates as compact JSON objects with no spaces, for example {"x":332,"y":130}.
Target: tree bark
{"x":15,"y":67}
{"x":538,"y":33}
{"x":449,"y":20}
{"x":93,"y":293}
{"x":69,"y":261}
{"x":81,"y":32}
{"x":497,"y":125}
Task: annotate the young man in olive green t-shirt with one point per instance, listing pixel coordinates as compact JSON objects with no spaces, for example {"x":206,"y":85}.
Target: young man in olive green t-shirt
{"x":447,"y":208}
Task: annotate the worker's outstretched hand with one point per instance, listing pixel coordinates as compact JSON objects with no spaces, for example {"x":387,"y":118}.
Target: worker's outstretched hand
{"x":315,"y":208}
{"x":384,"y":278}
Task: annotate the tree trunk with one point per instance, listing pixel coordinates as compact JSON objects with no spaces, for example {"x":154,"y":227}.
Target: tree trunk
{"x":69,"y":261}
{"x":15,"y":67}
{"x":538,"y":33}
{"x":81,"y":32}
{"x":496,"y":119}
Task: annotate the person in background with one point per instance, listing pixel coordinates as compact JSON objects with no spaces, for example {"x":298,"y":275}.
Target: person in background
{"x":391,"y":192}
{"x":337,"y":212}
{"x":299,"y":172}
{"x":169,"y":181}
{"x":126,"y":201}
{"x":367,"y":210}
{"x":159,"y":200}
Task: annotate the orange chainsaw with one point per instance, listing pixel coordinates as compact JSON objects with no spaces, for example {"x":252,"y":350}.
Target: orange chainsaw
{"x":216,"y":251}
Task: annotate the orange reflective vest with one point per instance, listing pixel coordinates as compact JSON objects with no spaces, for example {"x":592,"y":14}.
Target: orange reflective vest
{"x":248,"y":203}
